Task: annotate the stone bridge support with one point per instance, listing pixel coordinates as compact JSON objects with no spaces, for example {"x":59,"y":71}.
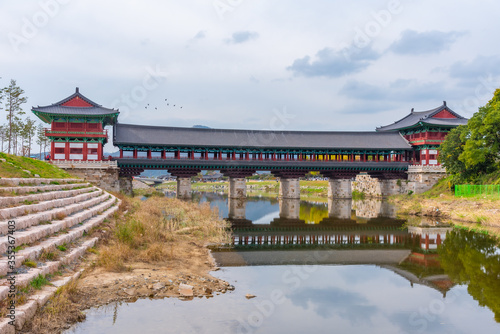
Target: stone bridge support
{"x":339,"y":188}
{"x":289,"y":183}
{"x":184,"y":181}
{"x":184,"y":187}
{"x":289,"y":188}
{"x":237,"y":182}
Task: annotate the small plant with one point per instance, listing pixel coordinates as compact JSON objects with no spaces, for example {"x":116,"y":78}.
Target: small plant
{"x":29,"y":263}
{"x":38,"y":282}
{"x":19,"y":248}
{"x":410,"y":192}
{"x":55,"y":182}
{"x":398,"y":182}
{"x":62,"y":247}
{"x":47,"y":256}
{"x":92,"y":250}
{"x":60,"y":215}
{"x":358,"y":195}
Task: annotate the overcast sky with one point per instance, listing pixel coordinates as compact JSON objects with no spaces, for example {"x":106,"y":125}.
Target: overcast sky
{"x":257,"y":64}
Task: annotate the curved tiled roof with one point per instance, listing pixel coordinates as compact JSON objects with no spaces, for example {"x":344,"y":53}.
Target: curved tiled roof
{"x":426,"y":117}
{"x":129,"y":134}
{"x":60,"y":109}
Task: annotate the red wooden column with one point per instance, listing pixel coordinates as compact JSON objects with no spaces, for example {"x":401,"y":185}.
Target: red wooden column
{"x":84,"y":151}
{"x":247,"y":156}
{"x":66,"y":151}
{"x":135,"y":153}
{"x":426,"y":242}
{"x":99,"y":152}
{"x":163,"y":154}
{"x":52,"y":150}
{"x":121,"y":153}
{"x":149,"y":154}
{"x":220,"y":155}
{"x":233,"y":156}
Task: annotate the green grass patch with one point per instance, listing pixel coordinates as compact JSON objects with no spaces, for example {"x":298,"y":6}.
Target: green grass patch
{"x":29,"y":263}
{"x":38,"y":282}
{"x":62,"y":247}
{"x":15,"y":166}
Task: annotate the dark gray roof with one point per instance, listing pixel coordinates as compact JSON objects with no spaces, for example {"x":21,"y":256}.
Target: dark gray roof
{"x":61,"y":110}
{"x":58,"y":108}
{"x":425,"y":117}
{"x":128,"y":134}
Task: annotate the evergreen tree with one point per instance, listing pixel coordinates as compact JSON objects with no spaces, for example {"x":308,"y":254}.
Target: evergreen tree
{"x":14,"y":99}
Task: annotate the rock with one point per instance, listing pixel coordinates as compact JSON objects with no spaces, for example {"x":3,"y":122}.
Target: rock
{"x":186,"y":290}
{"x":158,"y":286}
{"x":36,"y":175}
{"x":250,"y":296}
{"x":208,"y":291}
{"x":231,"y":288}
{"x":130,"y":292}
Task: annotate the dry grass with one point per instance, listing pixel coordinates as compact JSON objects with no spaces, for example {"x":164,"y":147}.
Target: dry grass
{"x":62,"y":308}
{"x":152,"y":229}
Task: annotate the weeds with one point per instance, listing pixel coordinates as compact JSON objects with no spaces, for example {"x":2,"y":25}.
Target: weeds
{"x":38,"y":282}
{"x":29,"y":263}
{"x":62,"y":247}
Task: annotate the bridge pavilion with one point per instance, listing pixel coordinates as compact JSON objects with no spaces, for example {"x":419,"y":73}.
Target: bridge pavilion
{"x":78,"y":134}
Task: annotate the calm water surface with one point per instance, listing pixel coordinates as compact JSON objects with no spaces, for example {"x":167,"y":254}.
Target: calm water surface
{"x":332,"y":267}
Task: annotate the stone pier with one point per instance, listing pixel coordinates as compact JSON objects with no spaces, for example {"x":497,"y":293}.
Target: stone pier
{"x":339,"y":188}
{"x":183,"y":187}
{"x":289,"y":208}
{"x":237,"y":187}
{"x":339,"y":208}
{"x":289,"y":188}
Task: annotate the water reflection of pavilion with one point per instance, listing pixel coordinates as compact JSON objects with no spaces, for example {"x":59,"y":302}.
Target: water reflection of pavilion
{"x":349,"y":232}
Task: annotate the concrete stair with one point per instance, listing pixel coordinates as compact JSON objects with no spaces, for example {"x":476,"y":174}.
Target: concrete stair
{"x":59,"y":215}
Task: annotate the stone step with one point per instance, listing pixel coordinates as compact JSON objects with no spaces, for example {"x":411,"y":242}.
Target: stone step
{"x":34,"y":252}
{"x":15,"y":200}
{"x":23,"y":210}
{"x":6,"y":191}
{"x":38,"y":232}
{"x":27,"y":311}
{"x":27,"y":221}
{"x":35,"y":181}
{"x":49,"y":267}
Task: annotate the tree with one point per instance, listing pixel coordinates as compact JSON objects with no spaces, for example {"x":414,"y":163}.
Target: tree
{"x":14,"y":99}
{"x":40,"y":137}
{"x":483,"y":142}
{"x":28,"y":131}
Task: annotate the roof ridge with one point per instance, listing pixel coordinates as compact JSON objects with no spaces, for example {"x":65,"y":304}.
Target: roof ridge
{"x":72,"y":96}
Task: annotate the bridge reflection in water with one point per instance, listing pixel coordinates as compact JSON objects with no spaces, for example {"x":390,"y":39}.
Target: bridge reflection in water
{"x":338,"y":232}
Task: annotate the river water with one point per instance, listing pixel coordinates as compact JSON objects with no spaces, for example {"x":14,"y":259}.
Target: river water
{"x":329,"y":267}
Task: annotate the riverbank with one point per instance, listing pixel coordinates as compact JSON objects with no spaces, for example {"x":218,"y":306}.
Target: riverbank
{"x":152,"y":248}
{"x":480,"y":213}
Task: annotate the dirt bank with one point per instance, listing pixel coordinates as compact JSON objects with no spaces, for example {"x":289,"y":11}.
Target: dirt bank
{"x":483,"y":211}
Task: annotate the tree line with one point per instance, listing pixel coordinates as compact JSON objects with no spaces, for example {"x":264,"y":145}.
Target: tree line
{"x":471,"y":152}
{"x":19,"y":133}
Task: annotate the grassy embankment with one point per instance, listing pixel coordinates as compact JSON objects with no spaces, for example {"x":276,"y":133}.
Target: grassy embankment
{"x":154,"y":230}
{"x":23,"y":167}
{"x":479,"y":213}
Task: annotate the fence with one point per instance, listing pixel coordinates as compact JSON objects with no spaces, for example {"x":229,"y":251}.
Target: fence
{"x":468,"y":190}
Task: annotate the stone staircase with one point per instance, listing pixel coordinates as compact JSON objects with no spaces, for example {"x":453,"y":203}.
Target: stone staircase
{"x":46,"y":222}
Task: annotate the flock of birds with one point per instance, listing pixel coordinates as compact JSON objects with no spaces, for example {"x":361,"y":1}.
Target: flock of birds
{"x":156,"y":108}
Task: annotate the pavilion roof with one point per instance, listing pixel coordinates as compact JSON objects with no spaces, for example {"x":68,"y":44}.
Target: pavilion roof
{"x":129,"y":134}
{"x":440,"y":116}
{"x":74,"y":105}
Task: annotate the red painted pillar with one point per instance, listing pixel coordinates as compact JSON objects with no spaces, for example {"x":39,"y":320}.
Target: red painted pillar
{"x":352,"y":157}
{"x":52,"y":150}
{"x":220,"y":155}
{"x":135,"y":153}
{"x":163,"y":154}
{"x":247,"y":156}
{"x":438,"y":239}
{"x":121,"y":154}
{"x":149,"y":154}
{"x":234,"y":155}
{"x":178,"y":154}
{"x":426,"y":242}
{"x":84,"y":151}
{"x":66,"y":151}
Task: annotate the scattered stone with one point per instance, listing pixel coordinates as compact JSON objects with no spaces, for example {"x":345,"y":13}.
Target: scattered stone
{"x":249,"y":296}
{"x":216,"y":269}
{"x":158,"y":286}
{"x":130,"y":292}
{"x":186,"y":290}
